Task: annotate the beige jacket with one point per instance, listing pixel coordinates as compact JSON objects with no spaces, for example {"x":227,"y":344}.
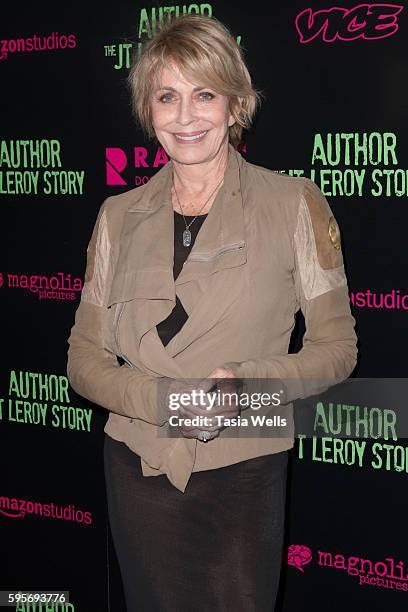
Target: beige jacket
{"x":269,"y":246}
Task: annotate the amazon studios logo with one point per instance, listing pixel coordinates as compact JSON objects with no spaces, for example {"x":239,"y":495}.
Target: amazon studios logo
{"x":33,"y":43}
{"x":388,"y":573}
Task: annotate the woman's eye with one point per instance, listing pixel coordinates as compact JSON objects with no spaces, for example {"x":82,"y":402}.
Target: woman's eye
{"x":164,"y":98}
{"x":204,"y":95}
{"x":208,"y":95}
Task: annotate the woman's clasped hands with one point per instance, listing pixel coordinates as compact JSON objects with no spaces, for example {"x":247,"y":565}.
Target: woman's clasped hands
{"x":200,"y":409}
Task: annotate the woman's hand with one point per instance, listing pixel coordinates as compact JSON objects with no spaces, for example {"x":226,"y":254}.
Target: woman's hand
{"x":176,"y":388}
{"x":226,"y":409}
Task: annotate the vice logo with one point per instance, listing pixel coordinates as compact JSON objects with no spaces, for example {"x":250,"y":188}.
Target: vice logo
{"x":367,"y":21}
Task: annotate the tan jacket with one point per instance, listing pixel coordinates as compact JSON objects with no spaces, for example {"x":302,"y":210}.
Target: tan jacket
{"x":269,"y":246}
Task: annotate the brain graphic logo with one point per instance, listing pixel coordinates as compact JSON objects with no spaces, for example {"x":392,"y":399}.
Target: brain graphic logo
{"x":299,"y":555}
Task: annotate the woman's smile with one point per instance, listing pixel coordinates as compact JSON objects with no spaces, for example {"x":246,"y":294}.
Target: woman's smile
{"x":190,"y":138}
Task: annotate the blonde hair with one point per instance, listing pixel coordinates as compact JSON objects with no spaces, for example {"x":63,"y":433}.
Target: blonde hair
{"x":205,"y":52}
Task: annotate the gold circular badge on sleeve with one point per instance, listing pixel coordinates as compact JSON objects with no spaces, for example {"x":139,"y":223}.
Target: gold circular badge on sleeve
{"x":334,"y":233}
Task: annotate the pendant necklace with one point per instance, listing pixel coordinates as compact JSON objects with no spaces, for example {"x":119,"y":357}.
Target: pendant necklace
{"x":187,"y":233}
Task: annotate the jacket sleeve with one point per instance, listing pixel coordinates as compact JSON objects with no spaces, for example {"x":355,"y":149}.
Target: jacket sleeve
{"x":329,"y":351}
{"x":93,"y":370}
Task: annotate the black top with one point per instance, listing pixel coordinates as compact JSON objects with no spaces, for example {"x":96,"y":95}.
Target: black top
{"x":178,"y":316}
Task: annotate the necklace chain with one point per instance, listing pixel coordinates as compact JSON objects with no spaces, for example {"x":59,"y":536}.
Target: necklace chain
{"x":181,"y":208}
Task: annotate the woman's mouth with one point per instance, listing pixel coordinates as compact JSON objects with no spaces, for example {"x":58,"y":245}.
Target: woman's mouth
{"x":193,"y":137}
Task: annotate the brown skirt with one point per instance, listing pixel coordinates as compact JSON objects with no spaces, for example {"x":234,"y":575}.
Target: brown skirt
{"x":216,"y":547}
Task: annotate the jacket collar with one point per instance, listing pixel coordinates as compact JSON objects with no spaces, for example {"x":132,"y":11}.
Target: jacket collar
{"x":144,"y":269}
{"x":223,"y":225}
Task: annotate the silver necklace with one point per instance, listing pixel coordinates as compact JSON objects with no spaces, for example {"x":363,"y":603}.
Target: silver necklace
{"x":187,"y":233}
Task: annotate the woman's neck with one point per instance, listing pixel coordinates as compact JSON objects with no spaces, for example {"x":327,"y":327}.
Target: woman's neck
{"x":195,"y":186}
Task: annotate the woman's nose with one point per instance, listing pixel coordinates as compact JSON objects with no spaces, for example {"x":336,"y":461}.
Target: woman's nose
{"x":185,"y":110}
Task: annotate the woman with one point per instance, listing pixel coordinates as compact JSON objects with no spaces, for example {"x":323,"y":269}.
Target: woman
{"x":191,"y":279}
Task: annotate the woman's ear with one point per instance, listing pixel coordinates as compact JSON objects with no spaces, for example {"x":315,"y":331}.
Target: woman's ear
{"x":231,"y":121}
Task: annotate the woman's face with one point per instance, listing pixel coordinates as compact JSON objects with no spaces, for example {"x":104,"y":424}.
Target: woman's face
{"x":181,"y":108}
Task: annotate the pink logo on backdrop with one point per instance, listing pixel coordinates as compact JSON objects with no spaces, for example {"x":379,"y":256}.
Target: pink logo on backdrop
{"x":36,"y":43}
{"x":384,"y":300}
{"x":13,"y":507}
{"x":367,"y":21}
{"x":299,"y":555}
{"x":60,"y":286}
{"x":118,"y":164}
{"x":122,"y":166}
{"x":387,"y":573}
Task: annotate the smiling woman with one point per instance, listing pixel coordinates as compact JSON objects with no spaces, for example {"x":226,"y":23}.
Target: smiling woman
{"x":193,"y":282}
{"x":191,"y":93}
{"x":189,"y":106}
{"x":192,"y":125}
{"x":207,"y":56}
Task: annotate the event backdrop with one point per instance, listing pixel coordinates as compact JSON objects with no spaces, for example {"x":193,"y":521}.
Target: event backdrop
{"x":334,"y":77}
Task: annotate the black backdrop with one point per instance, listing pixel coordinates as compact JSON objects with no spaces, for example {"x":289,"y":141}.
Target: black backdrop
{"x":347,"y":79}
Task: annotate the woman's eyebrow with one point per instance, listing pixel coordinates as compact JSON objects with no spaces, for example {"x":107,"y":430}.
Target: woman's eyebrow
{"x":172,"y":88}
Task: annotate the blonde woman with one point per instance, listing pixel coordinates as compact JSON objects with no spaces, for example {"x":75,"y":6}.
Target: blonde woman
{"x":195,"y":277}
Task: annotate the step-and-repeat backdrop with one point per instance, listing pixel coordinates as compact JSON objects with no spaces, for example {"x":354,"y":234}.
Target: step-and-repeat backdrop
{"x":335,"y":80}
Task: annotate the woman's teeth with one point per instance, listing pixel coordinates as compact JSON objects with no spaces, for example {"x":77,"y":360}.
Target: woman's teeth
{"x":196,"y":137}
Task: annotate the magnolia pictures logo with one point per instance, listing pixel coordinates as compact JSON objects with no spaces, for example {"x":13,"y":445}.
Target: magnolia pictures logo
{"x":387,"y":573}
{"x":61,"y":286}
{"x":299,"y":555}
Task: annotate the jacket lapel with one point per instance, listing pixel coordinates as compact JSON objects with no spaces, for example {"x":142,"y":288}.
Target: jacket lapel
{"x":143,"y":279}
